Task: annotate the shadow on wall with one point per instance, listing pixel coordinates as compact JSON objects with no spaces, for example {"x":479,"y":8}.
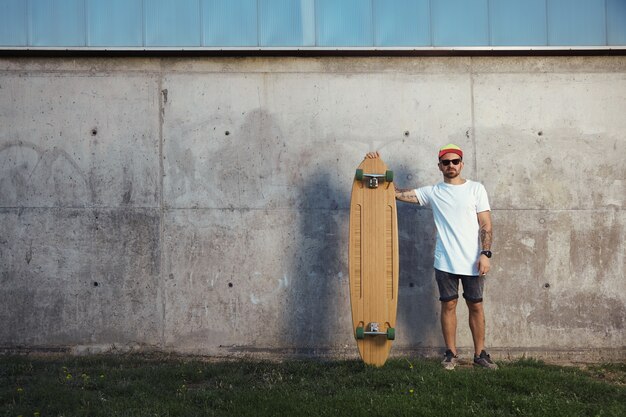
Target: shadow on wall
{"x":318,"y":313}
{"x":315,"y":308}
{"x":303,"y":219}
{"x":418,"y":305}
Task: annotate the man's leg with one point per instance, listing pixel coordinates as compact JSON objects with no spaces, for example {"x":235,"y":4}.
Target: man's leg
{"x":448,"y":285}
{"x":473,"y":294}
{"x":477,"y":325}
{"x":448,"y":324}
{"x":448,"y":295}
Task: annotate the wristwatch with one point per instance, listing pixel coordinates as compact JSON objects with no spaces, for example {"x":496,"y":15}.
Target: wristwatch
{"x":487,"y":253}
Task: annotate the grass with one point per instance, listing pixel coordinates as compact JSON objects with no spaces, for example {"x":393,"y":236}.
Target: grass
{"x":162,"y":386}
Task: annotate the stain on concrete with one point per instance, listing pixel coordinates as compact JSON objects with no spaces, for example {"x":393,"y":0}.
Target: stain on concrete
{"x":596,"y":250}
{"x":261,"y":163}
{"x":52,"y":298}
{"x":595,"y":312}
{"x":29,"y":253}
{"x":32,"y":173}
{"x":127,"y":185}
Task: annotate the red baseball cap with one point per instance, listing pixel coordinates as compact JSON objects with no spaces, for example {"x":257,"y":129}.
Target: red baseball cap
{"x":450,"y":148}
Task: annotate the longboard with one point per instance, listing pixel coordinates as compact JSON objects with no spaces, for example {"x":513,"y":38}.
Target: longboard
{"x":373,"y":260}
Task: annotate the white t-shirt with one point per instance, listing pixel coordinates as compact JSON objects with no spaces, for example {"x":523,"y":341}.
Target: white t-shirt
{"x":454,"y":210}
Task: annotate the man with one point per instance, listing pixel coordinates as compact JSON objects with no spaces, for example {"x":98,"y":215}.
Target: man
{"x":463,"y":249}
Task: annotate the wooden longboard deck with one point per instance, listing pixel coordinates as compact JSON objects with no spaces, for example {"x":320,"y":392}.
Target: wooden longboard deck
{"x":373,"y":261}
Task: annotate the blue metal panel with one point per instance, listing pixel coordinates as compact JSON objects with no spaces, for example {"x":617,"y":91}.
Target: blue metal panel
{"x":13,"y":23}
{"x":169,"y":23}
{"x":306,"y":23}
{"x":616,"y":22}
{"x":460,"y":22}
{"x":576,"y":22}
{"x":229,"y":22}
{"x":57,"y":22}
{"x":115,"y":23}
{"x":402,"y":23}
{"x":518,"y":23}
{"x":344,"y":23}
{"x":287,"y":22}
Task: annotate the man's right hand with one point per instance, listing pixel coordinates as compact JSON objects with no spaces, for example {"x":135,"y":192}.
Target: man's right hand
{"x":372,"y":155}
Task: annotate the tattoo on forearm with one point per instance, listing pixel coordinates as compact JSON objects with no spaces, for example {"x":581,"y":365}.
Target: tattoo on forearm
{"x":407,"y":195}
{"x":485,"y":238}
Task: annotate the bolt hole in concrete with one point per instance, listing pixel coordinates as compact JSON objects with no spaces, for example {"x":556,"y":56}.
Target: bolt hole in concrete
{"x":540,"y":133}
{"x":546,"y":285}
{"x":96,"y":284}
{"x":227,"y":133}
{"x":94,"y":132}
{"x":230,"y":285}
{"x":406,"y":133}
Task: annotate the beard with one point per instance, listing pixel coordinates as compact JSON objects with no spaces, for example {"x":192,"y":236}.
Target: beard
{"x":451,"y":173}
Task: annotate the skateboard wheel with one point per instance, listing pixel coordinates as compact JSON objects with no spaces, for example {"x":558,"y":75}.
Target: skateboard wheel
{"x":391,"y":332}
{"x":359,"y":175}
{"x":360,"y":333}
{"x":388,"y":176}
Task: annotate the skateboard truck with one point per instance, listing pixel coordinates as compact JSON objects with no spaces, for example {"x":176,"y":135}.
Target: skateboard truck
{"x":374,"y":179}
{"x":374,"y":330}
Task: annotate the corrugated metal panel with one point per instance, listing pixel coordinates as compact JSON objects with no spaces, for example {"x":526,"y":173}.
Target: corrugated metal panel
{"x":402,"y":23}
{"x":229,"y":22}
{"x":287,"y":22}
{"x":57,"y":22}
{"x":169,"y":23}
{"x":460,"y":22}
{"x":344,"y":23}
{"x":115,"y":22}
{"x":13,"y":23}
{"x":576,"y":22}
{"x":516,"y":23}
{"x":616,"y":22}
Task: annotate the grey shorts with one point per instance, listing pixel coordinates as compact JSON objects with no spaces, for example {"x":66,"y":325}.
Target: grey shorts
{"x":449,"y":286}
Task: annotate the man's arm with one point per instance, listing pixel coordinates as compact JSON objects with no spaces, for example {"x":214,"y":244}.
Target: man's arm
{"x":403,"y":194}
{"x":484,"y":222}
{"x":406,"y":194}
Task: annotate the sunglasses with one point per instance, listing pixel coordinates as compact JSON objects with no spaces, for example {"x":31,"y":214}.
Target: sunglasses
{"x":446,"y":162}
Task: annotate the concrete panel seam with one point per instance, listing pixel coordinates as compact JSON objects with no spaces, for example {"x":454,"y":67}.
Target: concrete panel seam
{"x":86,"y":208}
{"x":555,"y":210}
{"x":68,"y":73}
{"x":249,"y":209}
{"x":162,"y":94}
{"x":473,"y":128}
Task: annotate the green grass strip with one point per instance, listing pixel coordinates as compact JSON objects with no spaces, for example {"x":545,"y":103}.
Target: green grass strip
{"x":156,"y":386}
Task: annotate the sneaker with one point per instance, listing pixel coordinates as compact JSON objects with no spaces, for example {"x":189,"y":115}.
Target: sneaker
{"x":484,"y":360}
{"x":449,"y":360}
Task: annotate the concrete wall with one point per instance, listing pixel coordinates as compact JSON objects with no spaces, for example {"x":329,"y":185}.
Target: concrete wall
{"x":200,"y":205}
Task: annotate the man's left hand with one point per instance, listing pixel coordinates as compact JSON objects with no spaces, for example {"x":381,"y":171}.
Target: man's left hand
{"x":484,"y":265}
